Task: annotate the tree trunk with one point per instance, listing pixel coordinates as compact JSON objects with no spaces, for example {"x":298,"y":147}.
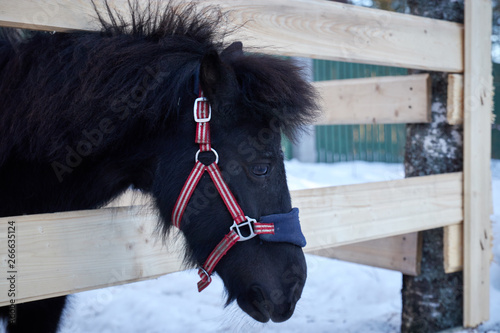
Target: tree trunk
{"x":433,"y":300}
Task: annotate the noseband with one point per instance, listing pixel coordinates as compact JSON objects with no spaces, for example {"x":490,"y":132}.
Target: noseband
{"x":273,"y":228}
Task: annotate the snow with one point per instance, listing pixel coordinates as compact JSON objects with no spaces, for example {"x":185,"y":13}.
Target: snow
{"x":338,"y":296}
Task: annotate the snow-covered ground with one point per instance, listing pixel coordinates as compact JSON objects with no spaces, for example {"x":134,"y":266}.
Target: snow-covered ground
{"x":338,"y":296}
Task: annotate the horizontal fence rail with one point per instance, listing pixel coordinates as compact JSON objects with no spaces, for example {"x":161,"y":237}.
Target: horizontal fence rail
{"x":375,"y":100}
{"x":63,"y":253}
{"x":381,"y":142}
{"x":401,"y":253}
{"x":314,"y":29}
{"x":348,"y":214}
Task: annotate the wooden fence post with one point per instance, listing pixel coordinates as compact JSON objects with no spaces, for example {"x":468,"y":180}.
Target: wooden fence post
{"x":478,"y":99}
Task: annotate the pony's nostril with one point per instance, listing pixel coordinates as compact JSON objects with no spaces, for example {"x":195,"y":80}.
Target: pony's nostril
{"x":295,"y":293}
{"x":257,"y":292}
{"x":262,"y":301}
{"x":258,"y":296}
{"x":255,"y":303}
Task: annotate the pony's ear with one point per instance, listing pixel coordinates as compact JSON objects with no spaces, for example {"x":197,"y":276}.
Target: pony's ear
{"x":235,"y":48}
{"x":211,"y":72}
{"x":216,"y":78}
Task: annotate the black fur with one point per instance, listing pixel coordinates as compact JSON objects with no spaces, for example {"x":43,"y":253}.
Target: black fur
{"x":86,"y":115}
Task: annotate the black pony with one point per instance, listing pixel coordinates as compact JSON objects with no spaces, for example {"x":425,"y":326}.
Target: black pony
{"x":86,"y":115}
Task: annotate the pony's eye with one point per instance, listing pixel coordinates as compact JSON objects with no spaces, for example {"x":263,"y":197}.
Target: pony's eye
{"x":260,"y":169}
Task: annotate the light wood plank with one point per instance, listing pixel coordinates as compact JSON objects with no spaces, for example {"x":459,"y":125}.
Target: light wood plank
{"x":68,"y":252}
{"x":453,"y":235}
{"x":478,"y":103}
{"x":362,"y":212}
{"x":455,"y":99}
{"x":377,"y":100}
{"x":349,"y":214}
{"x":314,"y":28}
{"x":453,"y":250}
{"x":401,"y":253}
{"x":62,"y":253}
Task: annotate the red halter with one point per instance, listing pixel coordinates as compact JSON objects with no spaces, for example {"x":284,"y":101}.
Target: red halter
{"x":202,"y":115}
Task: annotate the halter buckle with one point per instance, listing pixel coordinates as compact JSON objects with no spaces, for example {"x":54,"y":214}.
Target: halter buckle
{"x":195,"y":110}
{"x":249,"y":234}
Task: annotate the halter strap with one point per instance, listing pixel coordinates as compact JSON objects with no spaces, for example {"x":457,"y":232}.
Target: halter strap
{"x":202,"y":114}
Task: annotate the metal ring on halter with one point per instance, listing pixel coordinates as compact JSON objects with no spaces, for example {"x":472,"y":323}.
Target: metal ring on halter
{"x":209,"y":277}
{"x":213,"y":151}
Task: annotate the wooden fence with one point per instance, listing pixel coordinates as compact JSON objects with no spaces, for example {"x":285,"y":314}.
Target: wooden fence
{"x":68,"y":252}
{"x":350,"y":142}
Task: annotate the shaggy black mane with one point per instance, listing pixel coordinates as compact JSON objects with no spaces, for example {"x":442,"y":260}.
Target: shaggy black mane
{"x":265,"y":80}
{"x":137,"y":69}
{"x":157,"y":22}
{"x":86,"y":115}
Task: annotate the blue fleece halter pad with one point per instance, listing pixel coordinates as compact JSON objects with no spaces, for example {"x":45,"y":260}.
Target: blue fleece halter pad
{"x":286,"y":228}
